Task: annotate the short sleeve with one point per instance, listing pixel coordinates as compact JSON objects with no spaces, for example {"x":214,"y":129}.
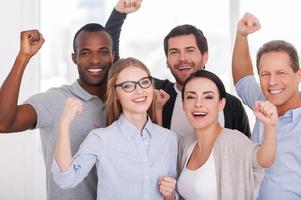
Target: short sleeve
{"x":46,"y":105}
{"x":249,"y":90}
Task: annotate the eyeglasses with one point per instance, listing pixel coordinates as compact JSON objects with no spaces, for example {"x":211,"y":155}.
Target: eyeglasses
{"x":130,"y":86}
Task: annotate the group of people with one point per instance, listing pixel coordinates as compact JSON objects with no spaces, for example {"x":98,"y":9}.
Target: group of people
{"x":119,"y":133}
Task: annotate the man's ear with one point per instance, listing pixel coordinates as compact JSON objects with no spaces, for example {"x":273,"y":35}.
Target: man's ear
{"x":205,"y":57}
{"x":74,"y":58}
{"x":113,"y":56}
{"x":167,"y":65}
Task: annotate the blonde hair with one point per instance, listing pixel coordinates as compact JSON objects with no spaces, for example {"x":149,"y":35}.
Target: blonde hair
{"x":113,"y":106}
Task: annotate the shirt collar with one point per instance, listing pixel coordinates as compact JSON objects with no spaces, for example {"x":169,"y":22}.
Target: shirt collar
{"x":293,"y":114}
{"x":81,"y":92}
{"x":129,"y":130}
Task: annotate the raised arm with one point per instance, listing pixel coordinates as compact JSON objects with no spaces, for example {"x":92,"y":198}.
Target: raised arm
{"x":14,"y":118}
{"x":63,"y":155}
{"x":116,"y":20}
{"x":160,"y":99}
{"x":241,"y":60}
{"x":266,"y":112}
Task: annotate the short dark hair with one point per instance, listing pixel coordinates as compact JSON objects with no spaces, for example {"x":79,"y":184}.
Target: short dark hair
{"x":91,"y":27}
{"x":209,"y":75}
{"x":187,"y":29}
{"x":279,"y":46}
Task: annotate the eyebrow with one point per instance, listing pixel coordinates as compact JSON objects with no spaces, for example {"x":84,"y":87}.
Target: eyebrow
{"x":101,"y":48}
{"x":206,"y":92}
{"x":176,"y":49}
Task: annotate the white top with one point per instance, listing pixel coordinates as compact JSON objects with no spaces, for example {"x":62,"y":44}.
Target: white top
{"x":198,"y":184}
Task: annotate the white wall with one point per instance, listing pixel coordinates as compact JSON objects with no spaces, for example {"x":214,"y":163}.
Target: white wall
{"x":22,"y":173}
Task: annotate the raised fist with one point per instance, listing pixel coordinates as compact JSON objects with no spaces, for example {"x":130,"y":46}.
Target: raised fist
{"x":73,"y":107}
{"x":160,"y":98}
{"x":266,"y":112}
{"x":31,"y":42}
{"x":248,"y":24}
{"x":128,"y":6}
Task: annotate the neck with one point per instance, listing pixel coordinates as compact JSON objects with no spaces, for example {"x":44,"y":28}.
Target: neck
{"x":139,"y":120}
{"x":207,"y":136}
{"x":179,"y":86}
{"x":293,"y":103}
{"x":97,"y":90}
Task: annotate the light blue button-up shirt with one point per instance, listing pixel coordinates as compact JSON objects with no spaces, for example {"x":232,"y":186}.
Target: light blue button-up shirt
{"x":128,"y":165}
{"x":283,"y":180}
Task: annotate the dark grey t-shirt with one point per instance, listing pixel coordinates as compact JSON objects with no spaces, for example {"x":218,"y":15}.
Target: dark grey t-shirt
{"x":49,"y":107}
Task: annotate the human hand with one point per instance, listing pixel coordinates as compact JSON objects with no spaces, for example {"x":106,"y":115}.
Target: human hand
{"x":167,"y":186}
{"x":128,"y":6}
{"x":31,"y":42}
{"x":73,"y":107}
{"x":248,"y":24}
{"x":160,"y":98}
{"x":266,"y":112}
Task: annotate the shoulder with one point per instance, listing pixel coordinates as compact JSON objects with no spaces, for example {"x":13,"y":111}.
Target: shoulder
{"x":234,"y":137}
{"x":231,"y":99}
{"x":105,"y":133}
{"x":163,"y":84}
{"x":165,"y":133}
{"x":52,"y":93}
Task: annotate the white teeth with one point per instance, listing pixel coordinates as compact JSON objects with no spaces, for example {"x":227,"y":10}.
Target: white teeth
{"x":199,"y":113}
{"x":276,"y":91}
{"x":184,"y":67}
{"x":95,"y":70}
{"x":140,"y":99}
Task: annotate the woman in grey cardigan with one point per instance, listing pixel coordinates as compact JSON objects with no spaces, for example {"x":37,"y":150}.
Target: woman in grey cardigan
{"x":222,"y":163}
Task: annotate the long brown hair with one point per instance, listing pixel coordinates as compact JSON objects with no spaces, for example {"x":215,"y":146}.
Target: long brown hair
{"x":113,"y":106}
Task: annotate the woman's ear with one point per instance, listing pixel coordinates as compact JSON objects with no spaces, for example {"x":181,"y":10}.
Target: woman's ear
{"x":222,"y":104}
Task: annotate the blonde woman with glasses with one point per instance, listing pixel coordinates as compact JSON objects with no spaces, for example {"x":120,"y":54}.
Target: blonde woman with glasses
{"x":135,"y":158}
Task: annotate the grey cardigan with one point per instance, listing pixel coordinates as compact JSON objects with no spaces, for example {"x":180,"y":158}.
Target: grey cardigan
{"x":238,"y":173}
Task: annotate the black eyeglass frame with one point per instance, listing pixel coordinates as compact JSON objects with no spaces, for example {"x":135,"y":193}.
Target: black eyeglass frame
{"x":150,"y":78}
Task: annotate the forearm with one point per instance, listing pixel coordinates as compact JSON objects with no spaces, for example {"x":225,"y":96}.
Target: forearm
{"x":114,"y":25}
{"x":171,"y":197}
{"x":63,"y":155}
{"x":241,"y":59}
{"x":9,"y":91}
{"x":159,"y":119}
{"x":267,"y":152}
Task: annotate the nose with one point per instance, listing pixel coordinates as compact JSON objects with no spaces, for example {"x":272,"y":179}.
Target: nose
{"x":273,"y":79}
{"x":198,"y":102}
{"x":138,"y":89}
{"x":95,"y":58}
{"x":182,"y":56}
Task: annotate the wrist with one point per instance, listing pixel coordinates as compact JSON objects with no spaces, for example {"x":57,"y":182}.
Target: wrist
{"x":241,"y":36}
{"x":23,"y":57}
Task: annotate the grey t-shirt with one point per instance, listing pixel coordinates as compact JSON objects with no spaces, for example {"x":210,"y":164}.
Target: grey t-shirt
{"x":49,"y":107}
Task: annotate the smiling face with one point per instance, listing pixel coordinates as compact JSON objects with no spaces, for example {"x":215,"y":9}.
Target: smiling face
{"x":184,"y":57}
{"x":93,"y":56}
{"x":202,"y":103}
{"x":137,"y":101}
{"x":278,"y":81}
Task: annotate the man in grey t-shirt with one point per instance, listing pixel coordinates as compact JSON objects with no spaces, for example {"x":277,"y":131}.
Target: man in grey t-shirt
{"x":93,"y":56}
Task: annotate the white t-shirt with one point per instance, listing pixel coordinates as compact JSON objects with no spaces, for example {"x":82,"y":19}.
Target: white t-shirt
{"x":198,"y":184}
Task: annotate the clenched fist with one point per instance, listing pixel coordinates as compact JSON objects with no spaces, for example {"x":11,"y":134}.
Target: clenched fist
{"x":248,"y":24}
{"x":31,"y":42}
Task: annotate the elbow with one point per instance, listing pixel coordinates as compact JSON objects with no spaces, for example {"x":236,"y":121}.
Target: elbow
{"x":267,"y":163}
{"x":64,"y":182}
